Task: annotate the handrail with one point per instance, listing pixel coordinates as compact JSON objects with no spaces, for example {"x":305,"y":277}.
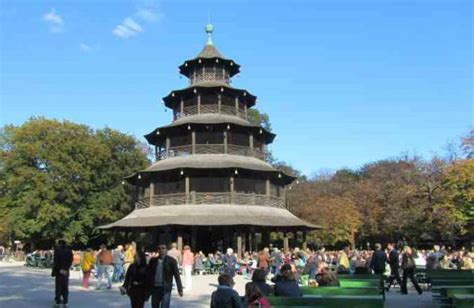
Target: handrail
{"x":210,"y":108}
{"x":185,"y":150}
{"x":195,"y":198}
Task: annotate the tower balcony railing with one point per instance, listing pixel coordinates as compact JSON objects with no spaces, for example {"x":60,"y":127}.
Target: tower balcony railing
{"x":196,"y":198}
{"x":209,"y":77}
{"x":185,"y":150}
{"x":214,"y":108}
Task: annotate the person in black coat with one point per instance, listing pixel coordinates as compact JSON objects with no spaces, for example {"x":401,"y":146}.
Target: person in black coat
{"x":61,"y":264}
{"x":287,"y":285}
{"x":259,"y":279}
{"x":160,"y":273}
{"x":135,"y":283}
{"x":225,"y":296}
{"x":408,"y":267}
{"x":393,"y":261}
{"x":378,"y":260}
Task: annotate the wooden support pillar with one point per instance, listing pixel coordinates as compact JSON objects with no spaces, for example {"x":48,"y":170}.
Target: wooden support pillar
{"x":181,"y":106}
{"x":193,"y":142}
{"x":186,"y":188}
{"x":245,"y":111}
{"x":244,"y":242}
{"x":199,"y":103}
{"x":179,"y":241}
{"x":286,"y":246}
{"x":249,"y":241}
{"x":236,"y":106}
{"x":305,"y":243}
{"x":251,"y":141}
{"x":167,"y":146}
{"x":239,"y":246}
{"x":225,"y":142}
{"x":231,"y":180}
{"x":152,"y":192}
{"x":156,"y":153}
{"x":254,"y":241}
{"x":295,"y":239}
{"x":219,"y":103}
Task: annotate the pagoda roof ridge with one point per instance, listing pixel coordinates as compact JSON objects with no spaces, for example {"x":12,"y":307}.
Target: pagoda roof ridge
{"x":209,"y":52}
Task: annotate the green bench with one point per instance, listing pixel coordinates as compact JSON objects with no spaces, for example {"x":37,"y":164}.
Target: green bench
{"x":359,"y":283}
{"x":359,"y":301}
{"x":360,"y":276}
{"x":463,"y":300}
{"x":436,"y":283}
{"x":333,"y":291}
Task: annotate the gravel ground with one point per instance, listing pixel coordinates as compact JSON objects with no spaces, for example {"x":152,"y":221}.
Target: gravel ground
{"x":22,"y":286}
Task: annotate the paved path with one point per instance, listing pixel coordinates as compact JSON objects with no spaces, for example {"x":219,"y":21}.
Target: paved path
{"x":22,"y":287}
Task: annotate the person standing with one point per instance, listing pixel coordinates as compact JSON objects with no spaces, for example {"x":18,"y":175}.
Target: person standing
{"x":135,"y":282}
{"x":230,"y":261}
{"x":87,"y":263}
{"x":105,"y":266}
{"x":188,"y":262}
{"x":61,"y":264}
{"x":408,"y":267}
{"x":160,"y":273}
{"x":264,"y":260}
{"x":393,"y":261}
{"x":175,"y":252}
{"x":128,"y":257}
{"x":377,"y":263}
{"x":117,"y":262}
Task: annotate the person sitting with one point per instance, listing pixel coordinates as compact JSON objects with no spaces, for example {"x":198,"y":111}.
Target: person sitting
{"x":225,"y":296}
{"x":254,"y":296}
{"x":327,"y":278}
{"x":287,"y":285}
{"x":259,"y":279}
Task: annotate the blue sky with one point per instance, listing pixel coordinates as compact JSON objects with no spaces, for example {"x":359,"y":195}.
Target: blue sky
{"x":344,"y":82}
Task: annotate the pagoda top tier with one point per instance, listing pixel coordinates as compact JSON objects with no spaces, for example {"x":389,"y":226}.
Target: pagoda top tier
{"x":209,"y":65}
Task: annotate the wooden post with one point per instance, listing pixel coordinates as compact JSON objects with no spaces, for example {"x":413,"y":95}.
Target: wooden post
{"x":231,"y":190}
{"x":182,"y":106}
{"x":251,"y":141}
{"x":295,"y":239}
{"x":245,"y":111}
{"x":239,"y":246}
{"x":193,"y":142}
{"x":219,"y":103}
{"x":225,"y":142}
{"x":199,"y":103}
{"x":286,"y":246}
{"x":254,"y":240}
{"x":244,"y":242}
{"x":236,"y":106}
{"x":152,"y":192}
{"x":305,"y":243}
{"x":186,"y":187}
{"x":167,"y":146}
{"x":180,"y":241}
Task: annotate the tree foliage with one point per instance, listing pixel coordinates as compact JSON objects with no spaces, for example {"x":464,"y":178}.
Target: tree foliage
{"x":61,"y":179}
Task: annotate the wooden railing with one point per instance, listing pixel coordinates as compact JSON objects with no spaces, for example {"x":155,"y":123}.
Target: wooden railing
{"x":195,"y":198}
{"x":185,"y":150}
{"x":210,"y":108}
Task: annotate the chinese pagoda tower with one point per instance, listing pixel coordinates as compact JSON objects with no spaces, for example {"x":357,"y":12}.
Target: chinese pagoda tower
{"x":210,"y":186}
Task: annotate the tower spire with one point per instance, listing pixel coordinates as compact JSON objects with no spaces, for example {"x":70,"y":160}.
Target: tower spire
{"x":209,"y":28}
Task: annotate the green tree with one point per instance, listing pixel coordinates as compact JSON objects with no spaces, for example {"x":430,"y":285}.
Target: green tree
{"x":61,"y":179}
{"x":256,"y":117}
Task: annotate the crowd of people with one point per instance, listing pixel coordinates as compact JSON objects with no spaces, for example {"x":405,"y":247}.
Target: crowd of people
{"x":271,"y":270}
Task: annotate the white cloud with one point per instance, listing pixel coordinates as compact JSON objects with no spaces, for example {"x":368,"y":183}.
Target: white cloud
{"x":54,"y":20}
{"x":131,"y":27}
{"x":132,"y":24}
{"x":148,"y":15}
{"x":127,"y":28}
{"x":85,"y":48}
